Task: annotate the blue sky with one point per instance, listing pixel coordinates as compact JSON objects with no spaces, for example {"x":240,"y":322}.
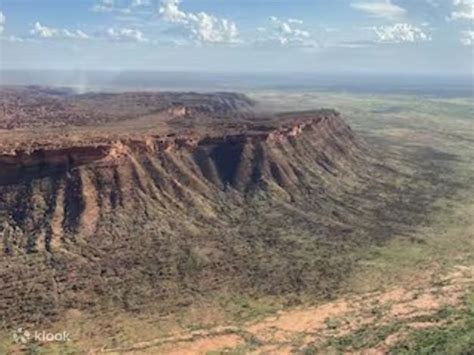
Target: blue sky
{"x":330,"y":36}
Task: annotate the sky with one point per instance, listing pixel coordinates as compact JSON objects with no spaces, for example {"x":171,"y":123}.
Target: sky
{"x":320,"y":36}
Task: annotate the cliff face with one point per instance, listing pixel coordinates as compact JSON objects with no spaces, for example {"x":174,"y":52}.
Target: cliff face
{"x":73,"y":187}
{"x":184,"y":214}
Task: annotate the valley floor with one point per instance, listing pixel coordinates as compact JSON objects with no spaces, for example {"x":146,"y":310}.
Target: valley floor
{"x":427,"y":307}
{"x":404,"y":299}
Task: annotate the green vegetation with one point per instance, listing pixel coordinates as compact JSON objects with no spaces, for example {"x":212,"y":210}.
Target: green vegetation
{"x":456,"y":337}
{"x":364,"y":338}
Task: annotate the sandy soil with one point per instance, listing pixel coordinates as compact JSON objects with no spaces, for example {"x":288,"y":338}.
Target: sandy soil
{"x":292,"y":330}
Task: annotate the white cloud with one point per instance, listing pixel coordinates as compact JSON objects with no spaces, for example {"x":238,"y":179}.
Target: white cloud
{"x":170,"y":11}
{"x":118,"y":34}
{"x":126,"y":34}
{"x":2,"y":22}
{"x":285,"y":32}
{"x":123,"y":7}
{"x":203,"y":27}
{"x":295,"y":21}
{"x":137,"y":3}
{"x":110,"y":6}
{"x":13,"y":39}
{"x":42,"y":31}
{"x":103,"y":6}
{"x":467,"y":38}
{"x":400,"y":32}
{"x":207,"y":28}
{"x":379,"y":8}
{"x":75,"y":34}
{"x":464,"y":10}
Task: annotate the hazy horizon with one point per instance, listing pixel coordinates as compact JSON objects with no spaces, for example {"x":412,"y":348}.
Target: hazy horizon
{"x":85,"y":81}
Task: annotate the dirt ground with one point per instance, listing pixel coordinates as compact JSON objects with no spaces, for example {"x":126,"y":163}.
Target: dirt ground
{"x":292,"y":331}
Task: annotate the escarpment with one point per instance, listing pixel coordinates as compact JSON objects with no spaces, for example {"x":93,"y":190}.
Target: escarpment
{"x":198,"y":202}
{"x":82,"y":183}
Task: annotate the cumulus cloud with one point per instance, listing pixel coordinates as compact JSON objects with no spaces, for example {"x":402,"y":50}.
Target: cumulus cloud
{"x":285,"y":32}
{"x":2,"y":22}
{"x":201,"y":26}
{"x":171,"y":12}
{"x":464,"y":10}
{"x":379,"y":8}
{"x":288,"y":33}
{"x":43,"y":31}
{"x":126,"y":34}
{"x":467,"y":38}
{"x":400,"y":33}
{"x":118,"y":34}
